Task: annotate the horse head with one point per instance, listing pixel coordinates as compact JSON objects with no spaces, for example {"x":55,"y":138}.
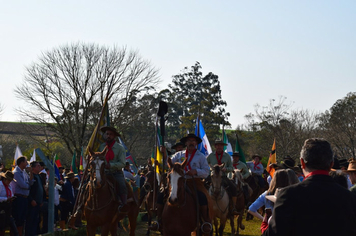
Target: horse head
{"x":97,"y":163}
{"x":175,"y":181}
{"x":237,"y":177}
{"x":216,"y":180}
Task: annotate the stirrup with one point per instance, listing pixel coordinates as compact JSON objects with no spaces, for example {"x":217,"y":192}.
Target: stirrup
{"x":202,"y":226}
{"x":154,"y":226}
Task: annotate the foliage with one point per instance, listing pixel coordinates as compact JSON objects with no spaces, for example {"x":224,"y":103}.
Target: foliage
{"x":339,"y":126}
{"x":191,"y":94}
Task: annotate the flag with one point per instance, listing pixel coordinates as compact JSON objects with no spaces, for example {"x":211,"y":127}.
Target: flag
{"x":129,"y":158}
{"x":239,"y":150}
{"x":57,"y":161}
{"x":272,"y":159}
{"x":204,"y":146}
{"x":158,"y":155}
{"x":56,"y":170}
{"x":33,"y":158}
{"x":227,"y":148}
{"x":18,"y":153}
{"x":82,"y":162}
{"x":73,"y":167}
{"x":97,"y":137}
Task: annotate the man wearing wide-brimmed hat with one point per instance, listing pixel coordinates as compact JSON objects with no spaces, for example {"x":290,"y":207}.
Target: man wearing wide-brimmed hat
{"x":220,"y":157}
{"x":242,"y":167}
{"x":178,"y":146}
{"x":351,"y":171}
{"x":67,"y":200}
{"x":196,"y":169}
{"x":115,"y":162}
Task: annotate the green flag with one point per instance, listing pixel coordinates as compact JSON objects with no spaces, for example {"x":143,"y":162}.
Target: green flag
{"x":73,"y":166}
{"x":239,"y":150}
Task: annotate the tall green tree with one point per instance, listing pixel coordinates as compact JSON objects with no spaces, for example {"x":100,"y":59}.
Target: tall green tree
{"x":339,"y":126}
{"x":192,"y":93}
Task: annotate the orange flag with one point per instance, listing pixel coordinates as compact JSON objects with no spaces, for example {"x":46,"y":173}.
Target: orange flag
{"x":272,"y":159}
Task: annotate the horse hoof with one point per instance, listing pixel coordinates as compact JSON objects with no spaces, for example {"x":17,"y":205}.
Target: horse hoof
{"x":242,"y":227}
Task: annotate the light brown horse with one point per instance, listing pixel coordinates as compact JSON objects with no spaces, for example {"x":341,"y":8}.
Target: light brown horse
{"x":180,"y":215}
{"x":239,"y":204}
{"x":101,"y":206}
{"x":220,"y":199}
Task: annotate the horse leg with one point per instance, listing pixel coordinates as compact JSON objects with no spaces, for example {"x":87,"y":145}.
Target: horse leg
{"x":91,"y":230}
{"x":113,"y":228}
{"x":105,"y":229}
{"x":222,"y":226}
{"x":232,"y":225}
{"x":216,"y":226}
{"x":132,"y":215}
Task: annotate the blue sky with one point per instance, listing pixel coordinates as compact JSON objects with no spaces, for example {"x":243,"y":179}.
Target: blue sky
{"x":303,"y":50}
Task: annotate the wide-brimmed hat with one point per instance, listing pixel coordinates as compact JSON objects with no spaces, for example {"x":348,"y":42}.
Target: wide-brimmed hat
{"x":272,"y":198}
{"x":8,"y":175}
{"x":128,"y":164}
{"x":219,"y":141}
{"x":352,"y":166}
{"x":105,"y":128}
{"x":184,"y":139}
{"x":336,"y":165}
{"x":178,"y":144}
{"x":69,"y":175}
{"x":256,"y":155}
{"x":236,"y":154}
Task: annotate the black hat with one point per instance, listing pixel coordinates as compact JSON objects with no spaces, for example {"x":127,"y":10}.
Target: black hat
{"x":184,"y":139}
{"x":127,"y":164}
{"x":236,"y":154}
{"x":288,"y":162}
{"x":178,"y":144}
{"x":219,"y":141}
{"x":256,"y":155}
{"x":105,"y":128}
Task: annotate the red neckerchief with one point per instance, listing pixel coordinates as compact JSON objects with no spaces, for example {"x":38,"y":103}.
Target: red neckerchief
{"x":317,"y":172}
{"x":110,"y":154}
{"x":235,"y":165}
{"x":8,"y":191}
{"x":255,"y":166}
{"x":217,"y":157}
{"x":187,"y":167}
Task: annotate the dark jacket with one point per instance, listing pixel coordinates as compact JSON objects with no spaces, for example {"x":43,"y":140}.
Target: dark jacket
{"x":67,"y":192}
{"x":37,"y":191}
{"x":316,"y":206}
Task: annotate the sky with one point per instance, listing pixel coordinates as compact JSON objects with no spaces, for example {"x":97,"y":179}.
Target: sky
{"x":261,"y":50}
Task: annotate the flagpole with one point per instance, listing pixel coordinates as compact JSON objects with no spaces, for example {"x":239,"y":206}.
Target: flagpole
{"x":72,"y":217}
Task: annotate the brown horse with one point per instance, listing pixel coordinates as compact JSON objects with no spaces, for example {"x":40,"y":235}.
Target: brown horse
{"x":220,"y":199}
{"x":180,"y":212}
{"x":101,"y":205}
{"x":252,"y":181}
{"x":239,"y":204}
{"x":151,"y":188}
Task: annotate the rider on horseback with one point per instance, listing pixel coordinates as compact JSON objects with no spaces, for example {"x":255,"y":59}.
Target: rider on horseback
{"x":196,"y":169}
{"x":257,"y":169}
{"x":219,"y":157}
{"x":115,"y":161}
{"x":239,"y":165}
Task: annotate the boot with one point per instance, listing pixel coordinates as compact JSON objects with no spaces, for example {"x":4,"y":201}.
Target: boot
{"x":20,"y":230}
{"x":233,"y":208}
{"x":123,"y":208}
{"x":206,"y":226}
{"x":246,"y":194}
{"x":62,"y":224}
{"x":157,"y":226}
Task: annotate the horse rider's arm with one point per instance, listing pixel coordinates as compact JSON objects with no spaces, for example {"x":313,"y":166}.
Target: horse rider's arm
{"x":204,"y":169}
{"x":228,"y":165}
{"x":245,"y":172}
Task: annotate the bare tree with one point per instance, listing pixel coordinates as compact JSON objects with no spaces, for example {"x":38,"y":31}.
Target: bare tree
{"x":66,"y":88}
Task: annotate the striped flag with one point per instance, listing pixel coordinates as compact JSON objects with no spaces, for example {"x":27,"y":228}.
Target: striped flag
{"x":129,"y":158}
{"x":204,"y":147}
{"x":57,"y":161}
{"x":272,"y":159}
{"x":227,"y":148}
{"x":73,"y":166}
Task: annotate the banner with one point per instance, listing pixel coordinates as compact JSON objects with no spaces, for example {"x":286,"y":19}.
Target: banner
{"x":204,"y":147}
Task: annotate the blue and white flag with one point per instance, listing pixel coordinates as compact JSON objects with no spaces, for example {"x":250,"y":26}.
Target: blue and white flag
{"x":204,"y":146}
{"x":227,"y":148}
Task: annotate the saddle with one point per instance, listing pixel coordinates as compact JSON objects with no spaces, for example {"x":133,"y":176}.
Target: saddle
{"x":114,"y":189}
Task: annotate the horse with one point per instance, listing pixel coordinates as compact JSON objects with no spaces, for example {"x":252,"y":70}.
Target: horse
{"x":151,"y":188}
{"x":101,"y":205}
{"x":252,"y":181}
{"x":220,"y":199}
{"x":239,"y":204}
{"x":180,"y":213}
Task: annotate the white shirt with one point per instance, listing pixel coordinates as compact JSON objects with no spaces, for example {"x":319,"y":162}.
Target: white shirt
{"x":3,"y":196}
